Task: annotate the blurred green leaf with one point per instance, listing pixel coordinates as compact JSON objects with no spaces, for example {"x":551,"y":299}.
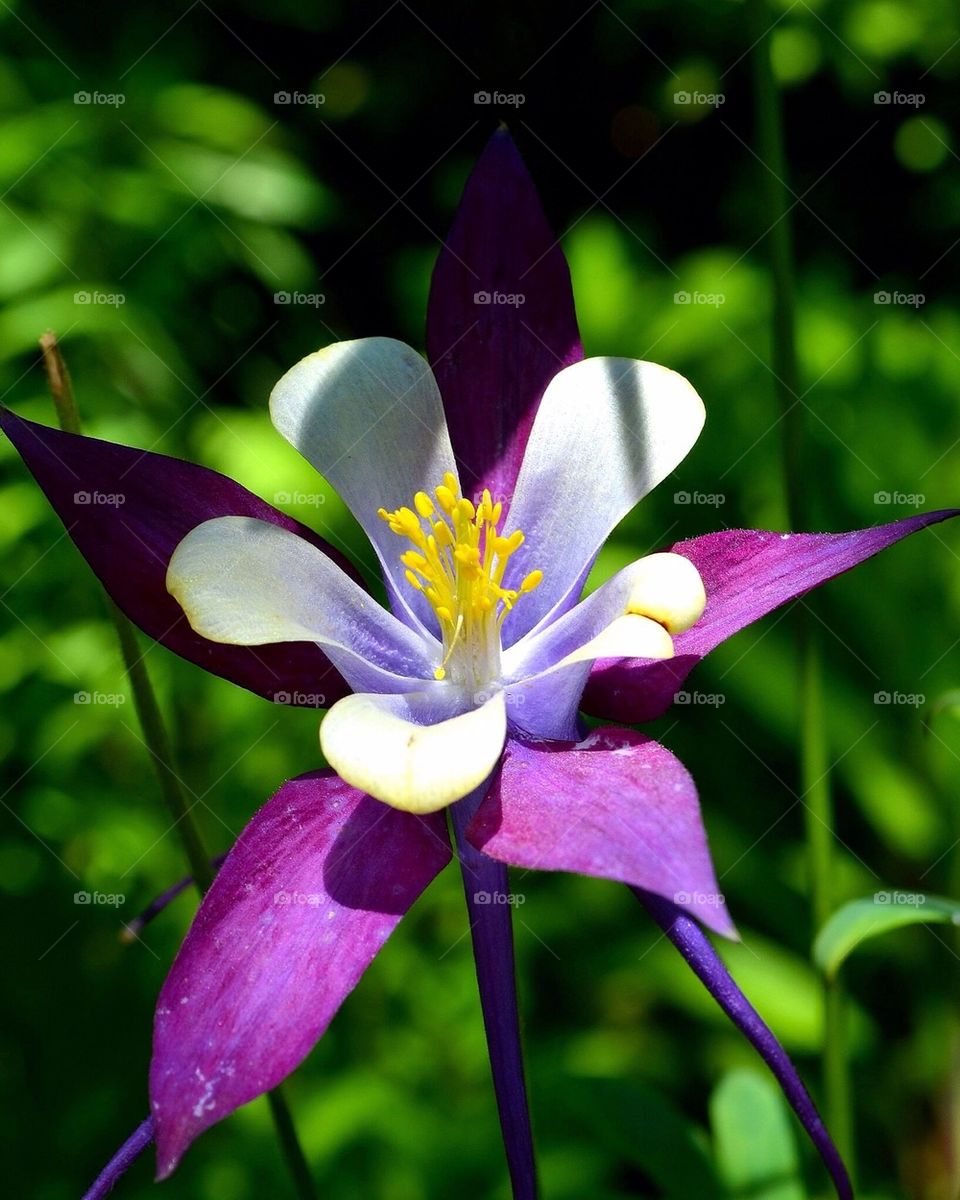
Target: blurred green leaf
{"x":873,"y":915}
{"x":755,"y":1147}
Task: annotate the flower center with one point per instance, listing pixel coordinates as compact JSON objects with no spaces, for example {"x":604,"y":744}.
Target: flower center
{"x":458,"y":561}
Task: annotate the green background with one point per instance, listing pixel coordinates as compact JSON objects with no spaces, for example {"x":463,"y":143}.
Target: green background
{"x":196,"y":200}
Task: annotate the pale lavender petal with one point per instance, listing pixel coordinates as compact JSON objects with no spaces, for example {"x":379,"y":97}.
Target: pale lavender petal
{"x":607,"y":431}
{"x":695,"y":947}
{"x":127,"y":510}
{"x":310,"y":892}
{"x":486,"y":888}
{"x":249,"y":583}
{"x":617,"y":805}
{"x":539,"y":651}
{"x":368,"y":415}
{"x":548,"y":705}
{"x":493,"y":360}
{"x":131,"y":1150}
{"x":747,"y":573}
{"x":543,"y":696}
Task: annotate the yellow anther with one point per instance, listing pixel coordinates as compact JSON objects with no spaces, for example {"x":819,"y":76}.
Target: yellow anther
{"x":456,"y":559}
{"x":534,"y":579}
{"x":446,"y":497}
{"x":424,"y":504}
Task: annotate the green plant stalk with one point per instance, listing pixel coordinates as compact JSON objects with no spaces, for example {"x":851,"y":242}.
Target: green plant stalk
{"x":814,"y":750}
{"x":158,"y":743}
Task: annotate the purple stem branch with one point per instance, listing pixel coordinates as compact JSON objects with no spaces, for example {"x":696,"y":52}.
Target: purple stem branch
{"x":706,"y":964}
{"x":131,"y":1149}
{"x":486,"y":889}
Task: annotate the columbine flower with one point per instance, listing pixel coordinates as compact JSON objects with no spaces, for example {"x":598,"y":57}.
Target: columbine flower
{"x":486,"y":486}
{"x":482,"y":638}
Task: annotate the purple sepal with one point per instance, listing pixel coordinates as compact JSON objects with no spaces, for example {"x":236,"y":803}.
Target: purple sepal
{"x":617,"y":805}
{"x":704,"y":961}
{"x":131,"y":1149}
{"x":747,"y":573}
{"x":127,"y":510}
{"x":309,"y":893}
{"x":500,"y":321}
{"x":486,"y":889}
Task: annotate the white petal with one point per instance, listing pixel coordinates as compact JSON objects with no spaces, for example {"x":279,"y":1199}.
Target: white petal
{"x":629,"y":636}
{"x":665,"y":587}
{"x":607,"y":431}
{"x":381,"y":745}
{"x":368,"y":415}
{"x":546,"y":704}
{"x":250,"y":583}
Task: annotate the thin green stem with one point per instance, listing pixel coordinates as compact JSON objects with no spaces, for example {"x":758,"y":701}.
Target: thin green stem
{"x":818,"y":813}
{"x":814,"y":749}
{"x":157,"y":742}
{"x":144,"y":697}
{"x":290,"y":1147}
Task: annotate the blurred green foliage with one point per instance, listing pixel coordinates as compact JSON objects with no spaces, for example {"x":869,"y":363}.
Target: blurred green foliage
{"x":200,"y":197}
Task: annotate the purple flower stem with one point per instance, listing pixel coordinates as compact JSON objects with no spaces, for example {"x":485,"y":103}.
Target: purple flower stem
{"x":132,"y":929}
{"x":491,"y":929}
{"x":706,"y":964}
{"x":131,"y":1149}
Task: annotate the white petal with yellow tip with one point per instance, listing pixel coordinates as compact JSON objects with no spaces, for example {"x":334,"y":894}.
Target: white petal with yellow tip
{"x":372,"y":743}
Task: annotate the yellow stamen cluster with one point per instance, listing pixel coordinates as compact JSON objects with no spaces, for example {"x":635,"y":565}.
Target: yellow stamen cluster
{"x":458,"y":561}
